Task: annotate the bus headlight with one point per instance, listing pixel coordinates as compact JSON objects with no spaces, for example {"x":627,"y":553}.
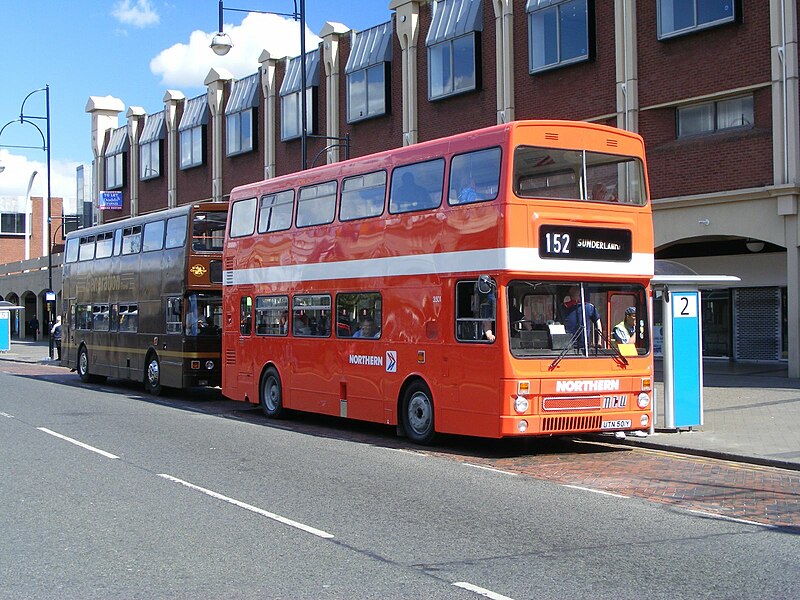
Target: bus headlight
{"x":644,"y":420}
{"x":522,"y":426}
{"x":521,"y":404}
{"x":643,"y":400}
{"x":209,"y":364}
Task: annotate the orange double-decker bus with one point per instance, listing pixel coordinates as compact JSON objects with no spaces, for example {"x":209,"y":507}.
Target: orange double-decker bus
{"x":493,"y":283}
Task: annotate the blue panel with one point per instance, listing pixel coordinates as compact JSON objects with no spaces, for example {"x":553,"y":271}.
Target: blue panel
{"x":686,"y":358}
{"x":5,"y":330}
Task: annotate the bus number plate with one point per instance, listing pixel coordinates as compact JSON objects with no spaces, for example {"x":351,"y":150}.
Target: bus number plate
{"x":618,"y":424}
{"x":588,"y":243}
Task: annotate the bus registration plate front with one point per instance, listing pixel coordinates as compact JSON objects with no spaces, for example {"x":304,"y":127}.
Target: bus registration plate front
{"x":618,"y":424}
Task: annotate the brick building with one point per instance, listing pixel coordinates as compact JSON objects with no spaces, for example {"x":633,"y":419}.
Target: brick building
{"x":712,"y":85}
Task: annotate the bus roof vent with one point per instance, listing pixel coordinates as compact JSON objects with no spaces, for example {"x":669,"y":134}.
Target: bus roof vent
{"x":550,"y":136}
{"x":612,"y":143}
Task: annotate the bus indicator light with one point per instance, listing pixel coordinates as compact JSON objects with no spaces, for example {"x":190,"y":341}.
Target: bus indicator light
{"x":421,"y":357}
{"x":195,"y":364}
{"x":523,"y":388}
{"x":647,"y":384}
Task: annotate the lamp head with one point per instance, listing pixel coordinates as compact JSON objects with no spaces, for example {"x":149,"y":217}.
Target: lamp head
{"x":221,"y":44}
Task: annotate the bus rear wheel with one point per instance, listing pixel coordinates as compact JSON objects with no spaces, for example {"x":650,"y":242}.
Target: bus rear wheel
{"x":152,"y":375}
{"x":417,"y":413}
{"x":271,"y":397}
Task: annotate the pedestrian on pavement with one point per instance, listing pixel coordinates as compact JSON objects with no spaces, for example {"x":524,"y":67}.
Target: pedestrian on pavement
{"x":56,"y":333}
{"x":35,"y":328}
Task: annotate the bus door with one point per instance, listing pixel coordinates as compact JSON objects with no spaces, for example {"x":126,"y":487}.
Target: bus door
{"x":238,"y":363}
{"x":69,"y":351}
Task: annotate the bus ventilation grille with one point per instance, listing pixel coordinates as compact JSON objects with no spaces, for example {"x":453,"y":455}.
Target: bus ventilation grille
{"x":612,"y":143}
{"x":559,"y":424}
{"x":230,"y":357}
{"x":550,"y":136}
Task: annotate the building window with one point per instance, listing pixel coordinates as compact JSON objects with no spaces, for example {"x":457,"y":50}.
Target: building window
{"x":677,"y":17}
{"x":366,"y":93}
{"x":558,"y":33}
{"x":708,"y":117}
{"x":192,"y":147}
{"x":150,"y":160}
{"x":453,"y":44}
{"x":291,"y":105}
{"x":239,"y":126}
{"x":290,"y":114}
{"x":150,"y":146}
{"x":240,"y":114}
{"x":114,"y":171}
{"x":195,"y":116}
{"x":12,"y":224}
{"x":452,"y":67}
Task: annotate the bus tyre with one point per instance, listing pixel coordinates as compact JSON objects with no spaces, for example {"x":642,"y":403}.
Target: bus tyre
{"x":271,"y":394}
{"x":417,"y":413}
{"x":83,"y":365}
{"x":152,"y":375}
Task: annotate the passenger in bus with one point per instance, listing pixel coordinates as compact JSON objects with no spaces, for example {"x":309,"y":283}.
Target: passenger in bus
{"x":410,"y":194}
{"x":283,"y":323}
{"x":467,"y":193}
{"x":625,"y":331}
{"x":343,"y":328}
{"x":301,"y":326}
{"x":574,"y":314}
{"x":368,"y":329}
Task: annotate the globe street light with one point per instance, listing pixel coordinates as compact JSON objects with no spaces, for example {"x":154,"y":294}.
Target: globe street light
{"x":221,"y":45}
{"x":31,"y":120}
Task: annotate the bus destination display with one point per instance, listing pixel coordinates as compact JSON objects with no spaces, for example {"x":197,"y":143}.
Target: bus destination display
{"x":587,"y":243}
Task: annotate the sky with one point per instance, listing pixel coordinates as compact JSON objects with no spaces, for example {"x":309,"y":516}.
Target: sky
{"x":133,"y":50}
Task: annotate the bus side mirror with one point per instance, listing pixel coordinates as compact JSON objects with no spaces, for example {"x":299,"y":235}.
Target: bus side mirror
{"x":485,"y":284}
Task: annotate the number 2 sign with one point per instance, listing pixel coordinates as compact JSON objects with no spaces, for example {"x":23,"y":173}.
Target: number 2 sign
{"x":684,"y":306}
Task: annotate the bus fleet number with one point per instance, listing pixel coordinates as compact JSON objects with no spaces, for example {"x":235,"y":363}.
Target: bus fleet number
{"x":557,"y":243}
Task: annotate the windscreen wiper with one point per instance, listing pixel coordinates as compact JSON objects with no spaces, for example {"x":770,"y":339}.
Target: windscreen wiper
{"x":617,"y":354}
{"x":566,"y":349}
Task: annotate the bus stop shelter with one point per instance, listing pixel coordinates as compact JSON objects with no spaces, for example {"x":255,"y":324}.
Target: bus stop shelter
{"x":5,"y":324}
{"x":677,"y":287}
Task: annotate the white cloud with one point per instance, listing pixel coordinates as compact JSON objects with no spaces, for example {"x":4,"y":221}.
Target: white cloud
{"x":16,"y":175}
{"x":140,"y":14}
{"x":186,"y":65}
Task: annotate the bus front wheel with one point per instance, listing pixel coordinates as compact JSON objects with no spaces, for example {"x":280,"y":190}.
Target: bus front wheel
{"x":418,"y":413}
{"x":271,"y":394}
{"x":152,"y":375}
{"x":83,"y":365}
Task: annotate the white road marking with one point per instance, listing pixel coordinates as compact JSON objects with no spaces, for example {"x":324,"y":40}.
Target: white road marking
{"x":481,"y":591}
{"x":489,"y":469}
{"x":77,"y":443}
{"x":6,"y":415}
{"x":250,"y":507}
{"x":734,"y":519}
{"x":585,"y":489}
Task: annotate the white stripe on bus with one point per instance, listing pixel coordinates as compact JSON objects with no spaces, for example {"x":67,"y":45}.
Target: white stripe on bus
{"x":469,"y":261}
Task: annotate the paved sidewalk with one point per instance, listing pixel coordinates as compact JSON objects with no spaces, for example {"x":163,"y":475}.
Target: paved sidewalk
{"x":751,"y":411}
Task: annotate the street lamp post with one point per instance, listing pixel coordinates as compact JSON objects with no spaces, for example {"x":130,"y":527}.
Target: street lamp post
{"x":31,"y":120}
{"x":221,"y":45}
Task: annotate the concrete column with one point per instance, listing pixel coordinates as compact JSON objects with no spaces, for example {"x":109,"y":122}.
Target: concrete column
{"x":215,"y":81}
{"x":105,"y":116}
{"x":268,"y":95}
{"x":330,"y":34}
{"x":786,"y":152}
{"x":627,"y":65}
{"x":504,"y":57}
{"x":171,"y":101}
{"x":407,"y":28}
{"x":135,"y":116}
